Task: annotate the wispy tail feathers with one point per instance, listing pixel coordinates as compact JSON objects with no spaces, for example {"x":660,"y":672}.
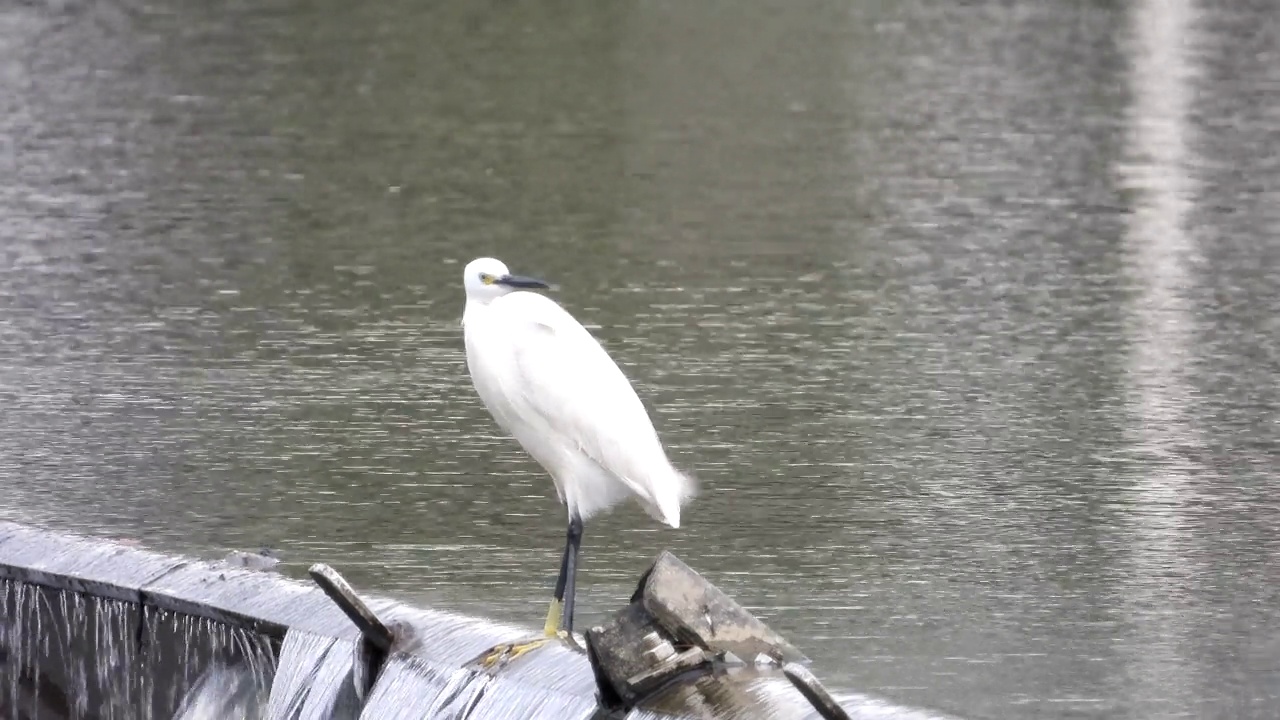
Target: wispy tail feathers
{"x":676,"y":490}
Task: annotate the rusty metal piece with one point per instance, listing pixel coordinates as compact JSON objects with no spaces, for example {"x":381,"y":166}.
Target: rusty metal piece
{"x":341,"y":593}
{"x":657,"y":649}
{"x":677,"y":625}
{"x":697,"y":612}
{"x":814,"y":692}
{"x":371,"y":653}
{"x":656,"y":676}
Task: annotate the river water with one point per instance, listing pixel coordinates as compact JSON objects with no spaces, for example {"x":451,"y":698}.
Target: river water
{"x":965,"y":315}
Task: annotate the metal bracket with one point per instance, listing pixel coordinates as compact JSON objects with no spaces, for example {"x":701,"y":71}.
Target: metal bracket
{"x":814,"y":692}
{"x":375,"y":646}
{"x":677,"y":624}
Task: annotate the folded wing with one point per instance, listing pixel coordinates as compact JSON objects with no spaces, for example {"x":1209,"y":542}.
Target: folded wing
{"x":568,"y":380}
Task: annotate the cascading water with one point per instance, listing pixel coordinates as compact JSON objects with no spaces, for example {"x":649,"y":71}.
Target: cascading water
{"x":409,"y":689}
{"x":314,"y":681}
{"x":95,"y":631}
{"x":433,"y":684}
{"x":224,"y":693}
{"x":233,"y":685}
{"x":65,"y":655}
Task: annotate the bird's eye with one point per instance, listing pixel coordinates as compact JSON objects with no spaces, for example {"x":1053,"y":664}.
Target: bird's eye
{"x":486,"y":278}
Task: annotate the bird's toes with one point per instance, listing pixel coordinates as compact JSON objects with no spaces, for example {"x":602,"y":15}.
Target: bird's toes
{"x":501,"y":655}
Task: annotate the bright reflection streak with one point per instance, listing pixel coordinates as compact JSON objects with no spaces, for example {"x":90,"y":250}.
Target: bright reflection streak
{"x":1161,"y":257}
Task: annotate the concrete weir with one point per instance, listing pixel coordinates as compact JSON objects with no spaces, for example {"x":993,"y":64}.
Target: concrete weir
{"x":94,"y":630}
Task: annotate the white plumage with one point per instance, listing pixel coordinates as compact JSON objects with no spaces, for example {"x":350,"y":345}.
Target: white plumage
{"x":550,"y":384}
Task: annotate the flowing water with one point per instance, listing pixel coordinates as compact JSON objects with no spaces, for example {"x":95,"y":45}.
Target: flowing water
{"x":964,"y":314}
{"x":224,"y":693}
{"x":68,"y":656}
{"x":314,"y":681}
{"x":405,"y":688}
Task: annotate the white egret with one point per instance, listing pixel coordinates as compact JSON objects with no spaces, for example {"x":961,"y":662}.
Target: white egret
{"x":551,"y":385}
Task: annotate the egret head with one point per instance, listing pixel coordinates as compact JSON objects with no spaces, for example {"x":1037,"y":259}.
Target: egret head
{"x":487,"y":278}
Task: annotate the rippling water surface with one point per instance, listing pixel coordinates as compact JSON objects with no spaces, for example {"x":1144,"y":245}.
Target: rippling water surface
{"x":964,"y":314}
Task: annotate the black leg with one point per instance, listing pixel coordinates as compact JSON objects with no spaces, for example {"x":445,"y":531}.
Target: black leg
{"x":567,"y":583}
{"x":564,"y":569}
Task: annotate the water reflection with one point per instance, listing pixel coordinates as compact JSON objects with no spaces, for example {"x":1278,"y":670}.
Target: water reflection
{"x":1161,"y":257}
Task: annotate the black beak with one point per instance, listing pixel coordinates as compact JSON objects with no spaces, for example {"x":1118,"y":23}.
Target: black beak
{"x":520,"y":281}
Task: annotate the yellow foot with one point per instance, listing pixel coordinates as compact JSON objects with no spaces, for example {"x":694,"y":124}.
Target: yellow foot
{"x":500,"y":656}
